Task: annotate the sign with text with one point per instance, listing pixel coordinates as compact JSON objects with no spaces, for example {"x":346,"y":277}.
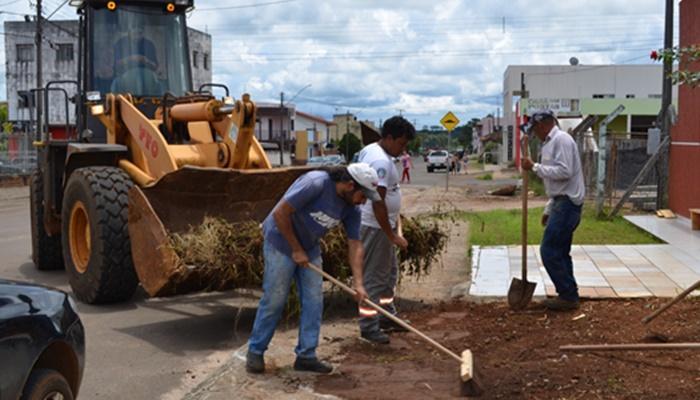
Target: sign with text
{"x":560,"y":107}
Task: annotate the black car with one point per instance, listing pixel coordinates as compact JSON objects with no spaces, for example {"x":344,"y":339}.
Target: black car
{"x":42,"y":343}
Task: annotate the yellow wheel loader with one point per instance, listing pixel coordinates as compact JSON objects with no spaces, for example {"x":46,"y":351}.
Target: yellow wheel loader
{"x":147,"y":157}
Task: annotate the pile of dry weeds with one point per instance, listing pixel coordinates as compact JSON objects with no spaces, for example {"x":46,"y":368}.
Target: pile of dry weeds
{"x":232,"y":252}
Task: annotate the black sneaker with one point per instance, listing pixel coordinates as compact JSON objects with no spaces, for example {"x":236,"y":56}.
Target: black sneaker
{"x":312,"y":365}
{"x":389,"y":326}
{"x":377,"y":337}
{"x":254,"y":363}
{"x":559,"y":304}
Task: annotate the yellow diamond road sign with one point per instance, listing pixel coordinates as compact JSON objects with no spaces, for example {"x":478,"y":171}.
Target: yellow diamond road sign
{"x":449,"y":121}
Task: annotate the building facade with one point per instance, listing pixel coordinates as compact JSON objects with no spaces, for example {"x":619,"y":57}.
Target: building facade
{"x":59,"y":54}
{"x":684,"y":153}
{"x":579,"y":90}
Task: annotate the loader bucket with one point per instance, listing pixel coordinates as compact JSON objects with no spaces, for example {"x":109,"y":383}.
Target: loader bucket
{"x":182,"y":199}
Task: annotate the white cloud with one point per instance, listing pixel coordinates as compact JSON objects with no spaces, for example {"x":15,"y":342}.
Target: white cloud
{"x":425,"y":58}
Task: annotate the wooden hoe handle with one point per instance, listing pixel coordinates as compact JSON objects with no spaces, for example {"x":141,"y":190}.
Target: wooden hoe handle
{"x":386,"y":313}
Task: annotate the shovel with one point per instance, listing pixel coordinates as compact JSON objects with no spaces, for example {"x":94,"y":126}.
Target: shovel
{"x":520,"y":291}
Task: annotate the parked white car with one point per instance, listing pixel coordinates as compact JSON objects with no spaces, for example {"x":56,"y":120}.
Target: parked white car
{"x":438,"y":159}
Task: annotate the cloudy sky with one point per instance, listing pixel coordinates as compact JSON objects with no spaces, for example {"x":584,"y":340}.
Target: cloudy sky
{"x":419,"y":58}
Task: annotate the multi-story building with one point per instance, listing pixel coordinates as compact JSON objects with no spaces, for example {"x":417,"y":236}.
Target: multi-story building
{"x":579,"y":90}
{"x":60,"y":62}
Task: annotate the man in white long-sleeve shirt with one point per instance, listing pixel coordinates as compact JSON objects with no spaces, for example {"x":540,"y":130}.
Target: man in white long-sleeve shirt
{"x":560,"y":169}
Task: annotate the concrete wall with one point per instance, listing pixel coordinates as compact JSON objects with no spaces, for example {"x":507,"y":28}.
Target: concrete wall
{"x":345,"y":123}
{"x":200,"y":43}
{"x":684,"y":173}
{"x":303,"y":123}
{"x":21,"y":75}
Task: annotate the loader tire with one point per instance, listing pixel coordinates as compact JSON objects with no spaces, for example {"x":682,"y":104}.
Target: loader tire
{"x":96,"y":245}
{"x":46,"y":250}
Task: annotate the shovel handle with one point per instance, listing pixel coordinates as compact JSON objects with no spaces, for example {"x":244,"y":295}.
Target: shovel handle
{"x":523,"y":237}
{"x":386,"y":313}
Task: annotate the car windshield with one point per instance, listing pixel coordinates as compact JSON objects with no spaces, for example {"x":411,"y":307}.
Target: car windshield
{"x":316,"y":159}
{"x":438,"y":154}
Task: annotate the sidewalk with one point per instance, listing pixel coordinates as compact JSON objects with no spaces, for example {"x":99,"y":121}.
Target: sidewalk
{"x":602,"y":271}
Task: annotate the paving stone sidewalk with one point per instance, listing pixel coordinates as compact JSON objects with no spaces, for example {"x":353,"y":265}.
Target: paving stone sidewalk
{"x":602,"y":271}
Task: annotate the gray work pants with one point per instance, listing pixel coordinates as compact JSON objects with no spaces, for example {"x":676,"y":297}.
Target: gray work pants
{"x":380,"y":276}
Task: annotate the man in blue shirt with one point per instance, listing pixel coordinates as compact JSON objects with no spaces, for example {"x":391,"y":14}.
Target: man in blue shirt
{"x":315,"y":203}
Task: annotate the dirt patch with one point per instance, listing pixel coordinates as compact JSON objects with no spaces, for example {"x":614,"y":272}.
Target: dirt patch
{"x":518,"y":355}
{"x":14,"y":181}
{"x":425,"y":200}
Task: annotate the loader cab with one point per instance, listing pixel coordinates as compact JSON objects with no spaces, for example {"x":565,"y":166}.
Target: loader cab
{"x":137,"y":47}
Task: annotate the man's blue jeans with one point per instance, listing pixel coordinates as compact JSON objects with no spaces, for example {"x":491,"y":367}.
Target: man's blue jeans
{"x":280,"y":269}
{"x":556,"y":246}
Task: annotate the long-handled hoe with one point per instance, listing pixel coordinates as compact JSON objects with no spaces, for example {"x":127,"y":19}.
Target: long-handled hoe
{"x":469,"y":385}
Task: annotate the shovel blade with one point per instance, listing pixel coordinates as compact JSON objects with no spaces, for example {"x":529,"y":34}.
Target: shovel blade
{"x":520,"y":293}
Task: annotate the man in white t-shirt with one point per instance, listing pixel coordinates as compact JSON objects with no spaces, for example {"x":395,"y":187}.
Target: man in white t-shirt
{"x":380,"y":229}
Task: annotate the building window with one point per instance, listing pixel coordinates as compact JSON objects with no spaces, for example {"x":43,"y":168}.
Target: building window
{"x":25,"y":52}
{"x":654,"y":96}
{"x":205,"y":61}
{"x":604,"y":96}
{"x":64,"y":52}
{"x":195,"y":55}
{"x":25,"y":99}
{"x":630,"y":96}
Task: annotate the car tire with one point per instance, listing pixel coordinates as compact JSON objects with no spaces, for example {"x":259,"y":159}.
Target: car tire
{"x":43,"y":383}
{"x":430,"y":169}
{"x":96,"y":244}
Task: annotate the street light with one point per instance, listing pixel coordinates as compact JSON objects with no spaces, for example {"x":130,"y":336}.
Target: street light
{"x":282,"y":106}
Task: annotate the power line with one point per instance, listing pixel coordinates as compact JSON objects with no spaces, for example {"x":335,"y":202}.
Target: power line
{"x":245,"y":6}
{"x":57,"y":8}
{"x":11,"y":2}
{"x":605,"y":47}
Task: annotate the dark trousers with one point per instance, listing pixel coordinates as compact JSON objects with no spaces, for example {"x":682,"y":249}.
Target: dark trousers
{"x":406,"y":175}
{"x":556,"y":246}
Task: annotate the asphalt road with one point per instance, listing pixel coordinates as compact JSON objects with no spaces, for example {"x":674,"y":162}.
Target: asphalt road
{"x":147,"y":348}
{"x":142,"y":349}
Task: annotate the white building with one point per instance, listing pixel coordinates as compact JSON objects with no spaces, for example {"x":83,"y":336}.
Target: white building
{"x":312,"y":123}
{"x":572,"y":87}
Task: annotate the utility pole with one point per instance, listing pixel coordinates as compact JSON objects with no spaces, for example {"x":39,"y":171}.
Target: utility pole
{"x":282,"y":144}
{"x":663,"y":120}
{"x":347,"y":139}
{"x":39,"y":83}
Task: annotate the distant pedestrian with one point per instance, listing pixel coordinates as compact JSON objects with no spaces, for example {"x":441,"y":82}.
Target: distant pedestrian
{"x":560,"y":169}
{"x":454,"y":164}
{"x":407,"y":165}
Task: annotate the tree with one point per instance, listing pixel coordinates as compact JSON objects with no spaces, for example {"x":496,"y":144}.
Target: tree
{"x":349,"y":145}
{"x":685,"y":56}
{"x":414,"y":146}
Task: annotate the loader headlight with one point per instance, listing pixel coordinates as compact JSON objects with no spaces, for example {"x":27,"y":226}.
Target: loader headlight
{"x":170,"y":7}
{"x":97,"y":109}
{"x":111,"y":5}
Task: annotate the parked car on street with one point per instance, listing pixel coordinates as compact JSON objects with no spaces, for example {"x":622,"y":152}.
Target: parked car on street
{"x":316,"y":161}
{"x":438,"y":159}
{"x":42,"y":343}
{"x":335,"y":159}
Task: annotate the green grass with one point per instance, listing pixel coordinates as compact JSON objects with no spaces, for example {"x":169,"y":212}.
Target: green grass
{"x":485,"y":177}
{"x":502,"y":227}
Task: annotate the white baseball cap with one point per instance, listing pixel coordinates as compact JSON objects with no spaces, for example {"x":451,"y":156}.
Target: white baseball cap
{"x":367,"y":178}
